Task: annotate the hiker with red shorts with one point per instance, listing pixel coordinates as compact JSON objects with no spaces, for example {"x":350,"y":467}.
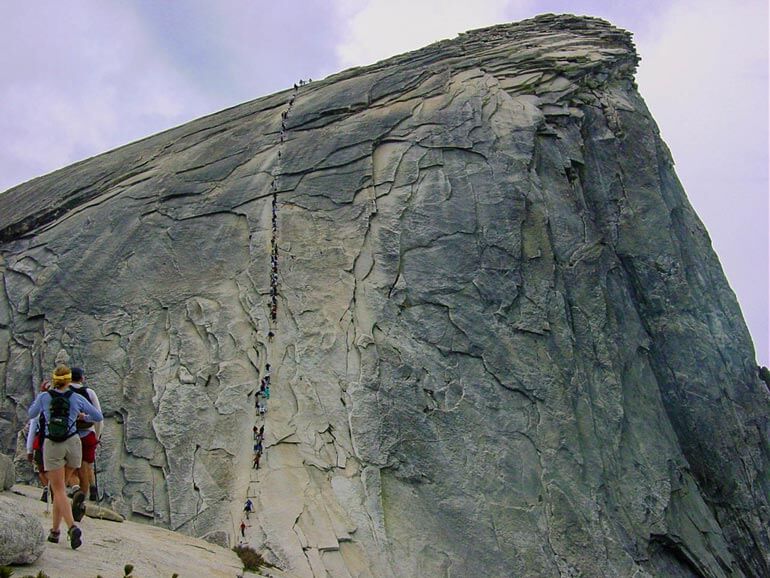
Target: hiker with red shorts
{"x":62,"y":449}
{"x":89,"y":433}
{"x":35,"y":438}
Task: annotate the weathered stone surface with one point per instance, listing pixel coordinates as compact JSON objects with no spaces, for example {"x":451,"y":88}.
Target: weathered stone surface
{"x":22,"y":538}
{"x":7,"y":472}
{"x":108,"y":547}
{"x":504,"y":346}
{"x":102,"y":513}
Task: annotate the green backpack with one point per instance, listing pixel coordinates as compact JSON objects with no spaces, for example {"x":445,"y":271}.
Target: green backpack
{"x":59,"y":423}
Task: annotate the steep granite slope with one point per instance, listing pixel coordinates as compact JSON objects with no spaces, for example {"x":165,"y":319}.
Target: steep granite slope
{"x":502,"y":343}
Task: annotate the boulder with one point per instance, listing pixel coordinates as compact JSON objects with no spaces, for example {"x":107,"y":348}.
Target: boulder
{"x":218,"y":537}
{"x":103,"y":513}
{"x":7,"y":472}
{"x":22,"y":537}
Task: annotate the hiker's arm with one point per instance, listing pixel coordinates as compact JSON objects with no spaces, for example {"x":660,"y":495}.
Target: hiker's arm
{"x":97,"y":405}
{"x":33,"y":426}
{"x":88,"y":409}
{"x":37,"y":406}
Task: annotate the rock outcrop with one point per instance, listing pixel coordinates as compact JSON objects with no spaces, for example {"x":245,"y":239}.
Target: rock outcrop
{"x":22,"y":538}
{"x":503,"y":345}
{"x":108,"y":547}
{"x":7,"y":473}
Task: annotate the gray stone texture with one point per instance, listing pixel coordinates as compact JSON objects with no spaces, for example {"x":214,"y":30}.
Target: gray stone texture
{"x":22,"y":538}
{"x":7,"y":473}
{"x":504,"y":345}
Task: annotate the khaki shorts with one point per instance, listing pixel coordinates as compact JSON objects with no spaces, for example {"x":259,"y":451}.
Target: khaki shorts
{"x":57,"y":454}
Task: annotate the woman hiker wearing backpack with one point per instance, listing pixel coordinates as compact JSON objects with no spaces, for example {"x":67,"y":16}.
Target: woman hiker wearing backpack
{"x":62,"y":451}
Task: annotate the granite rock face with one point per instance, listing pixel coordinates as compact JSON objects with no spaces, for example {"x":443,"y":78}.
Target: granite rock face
{"x":503,"y":344}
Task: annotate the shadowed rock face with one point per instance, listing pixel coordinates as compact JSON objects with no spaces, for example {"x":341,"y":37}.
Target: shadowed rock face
{"x":503,"y":347}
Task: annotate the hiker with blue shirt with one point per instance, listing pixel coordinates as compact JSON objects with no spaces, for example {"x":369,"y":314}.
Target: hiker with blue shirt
{"x":62,"y":450}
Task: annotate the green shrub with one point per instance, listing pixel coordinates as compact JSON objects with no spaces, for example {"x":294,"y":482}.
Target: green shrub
{"x":251,"y":559}
{"x":127,"y":569}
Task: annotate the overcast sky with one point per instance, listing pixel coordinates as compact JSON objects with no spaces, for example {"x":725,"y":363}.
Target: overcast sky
{"x":83,"y":76}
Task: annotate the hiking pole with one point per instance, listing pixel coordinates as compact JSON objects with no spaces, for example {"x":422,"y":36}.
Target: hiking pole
{"x":96,"y":482}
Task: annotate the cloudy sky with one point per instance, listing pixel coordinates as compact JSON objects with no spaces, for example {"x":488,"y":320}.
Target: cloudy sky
{"x":84,"y":76}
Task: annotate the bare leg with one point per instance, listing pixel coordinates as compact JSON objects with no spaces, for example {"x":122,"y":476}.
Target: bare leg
{"x":86,"y":476}
{"x":72,"y":477}
{"x":61,"y":504}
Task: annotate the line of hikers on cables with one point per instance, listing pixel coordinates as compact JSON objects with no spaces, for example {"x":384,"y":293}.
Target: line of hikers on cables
{"x":64,"y":430}
{"x":260,"y":402}
{"x":263,"y":394}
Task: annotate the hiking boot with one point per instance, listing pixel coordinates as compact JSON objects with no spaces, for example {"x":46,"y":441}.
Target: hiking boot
{"x":75,"y":536}
{"x":93,"y":495}
{"x":71,"y":490}
{"x":53,"y":536}
{"x":44,"y":495}
{"x":78,"y":505}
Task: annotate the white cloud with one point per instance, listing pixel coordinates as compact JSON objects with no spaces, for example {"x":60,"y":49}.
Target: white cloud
{"x":84,"y":76}
{"x":703,"y":70}
{"x":377,"y":29}
{"x":74,"y":86}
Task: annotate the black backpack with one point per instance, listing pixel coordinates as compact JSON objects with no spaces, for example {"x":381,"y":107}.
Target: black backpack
{"x":82,"y":424}
{"x":59,"y":422}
